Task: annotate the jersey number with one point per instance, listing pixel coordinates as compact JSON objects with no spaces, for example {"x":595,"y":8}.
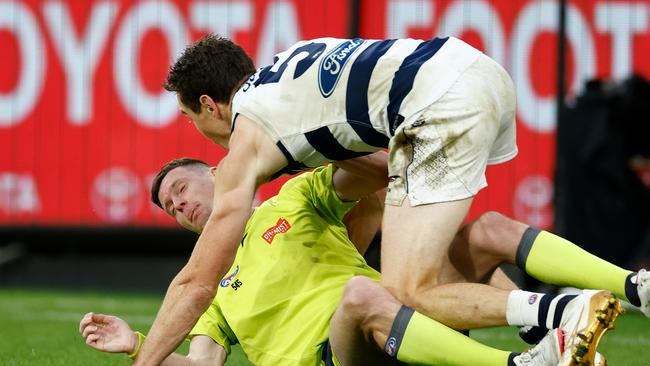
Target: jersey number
{"x":266,"y":76}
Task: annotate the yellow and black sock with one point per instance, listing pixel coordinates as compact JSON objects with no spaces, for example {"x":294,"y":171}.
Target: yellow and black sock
{"x":416,"y":339}
{"x":557,"y":261}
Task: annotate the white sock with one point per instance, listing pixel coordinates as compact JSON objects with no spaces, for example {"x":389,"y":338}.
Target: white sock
{"x":535,"y":309}
{"x":523,"y":308}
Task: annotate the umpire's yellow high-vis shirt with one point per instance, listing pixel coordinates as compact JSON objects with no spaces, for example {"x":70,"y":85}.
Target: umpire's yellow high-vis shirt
{"x":288,"y":276}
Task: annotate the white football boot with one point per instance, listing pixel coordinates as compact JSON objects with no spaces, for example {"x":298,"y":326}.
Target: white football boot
{"x":546,"y":353}
{"x":533,"y":335}
{"x":584,"y":321}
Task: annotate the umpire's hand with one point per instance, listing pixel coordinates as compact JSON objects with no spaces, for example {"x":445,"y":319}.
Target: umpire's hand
{"x":108,"y":333}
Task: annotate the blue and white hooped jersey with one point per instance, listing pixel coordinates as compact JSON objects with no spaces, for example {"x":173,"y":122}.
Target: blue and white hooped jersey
{"x":331,"y":99}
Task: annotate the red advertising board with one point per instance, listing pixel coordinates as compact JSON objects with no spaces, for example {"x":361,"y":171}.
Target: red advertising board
{"x":85,"y":123}
{"x":606,"y":39}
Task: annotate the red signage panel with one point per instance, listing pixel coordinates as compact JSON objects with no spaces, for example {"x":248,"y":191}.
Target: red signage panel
{"x":84,"y":121}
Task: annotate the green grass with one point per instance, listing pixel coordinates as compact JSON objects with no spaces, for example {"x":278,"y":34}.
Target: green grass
{"x":41,"y":328}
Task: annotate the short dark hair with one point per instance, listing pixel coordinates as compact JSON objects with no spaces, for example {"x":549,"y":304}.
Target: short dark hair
{"x":213,"y":66}
{"x":157,"y":180}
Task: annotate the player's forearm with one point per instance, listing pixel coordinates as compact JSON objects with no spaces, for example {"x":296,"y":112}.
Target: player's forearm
{"x":183,"y":305}
{"x":373,"y":168}
{"x":176,"y":359}
{"x":195,"y":286}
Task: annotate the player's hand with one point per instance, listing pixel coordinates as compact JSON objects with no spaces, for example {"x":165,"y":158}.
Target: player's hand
{"x":108,"y":333}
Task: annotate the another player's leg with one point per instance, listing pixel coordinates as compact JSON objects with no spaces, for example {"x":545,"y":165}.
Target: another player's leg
{"x":492,"y":239}
{"x":437,"y":164}
{"x":415,"y":242}
{"x":548,"y":258}
{"x":555,"y":260}
{"x":371,"y":319}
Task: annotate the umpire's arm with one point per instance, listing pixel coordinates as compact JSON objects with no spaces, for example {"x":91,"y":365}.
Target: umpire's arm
{"x":359,"y":177}
{"x":363,"y":178}
{"x":252,"y":158}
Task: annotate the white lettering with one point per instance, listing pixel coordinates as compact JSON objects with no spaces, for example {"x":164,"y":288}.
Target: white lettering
{"x":152,"y":110}
{"x":623,"y":20}
{"x":480,"y":16}
{"x":538,"y":113}
{"x":403,"y":14}
{"x":79,"y":56}
{"x":333,"y":61}
{"x":279,"y":31}
{"x":18,"y":19}
{"x":223,"y":19}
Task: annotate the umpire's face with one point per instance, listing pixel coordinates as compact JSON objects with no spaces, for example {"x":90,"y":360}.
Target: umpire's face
{"x":186,"y":194}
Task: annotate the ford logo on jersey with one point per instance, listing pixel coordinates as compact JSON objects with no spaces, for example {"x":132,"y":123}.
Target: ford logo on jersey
{"x":331,"y":67}
{"x":227,"y":280}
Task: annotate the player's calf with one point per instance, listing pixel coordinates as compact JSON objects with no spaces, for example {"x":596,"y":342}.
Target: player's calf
{"x":368,"y":306}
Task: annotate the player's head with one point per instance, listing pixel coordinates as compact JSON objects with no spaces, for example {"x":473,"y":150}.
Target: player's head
{"x":184,"y":188}
{"x":204,"y":79}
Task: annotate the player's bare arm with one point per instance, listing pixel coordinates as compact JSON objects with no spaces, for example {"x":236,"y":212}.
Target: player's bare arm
{"x":363,"y":178}
{"x":357,"y":178}
{"x":252,"y":159}
{"x":111,"y":334}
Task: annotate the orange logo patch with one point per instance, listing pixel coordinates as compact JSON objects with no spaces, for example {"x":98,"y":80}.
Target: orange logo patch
{"x":281,"y":227}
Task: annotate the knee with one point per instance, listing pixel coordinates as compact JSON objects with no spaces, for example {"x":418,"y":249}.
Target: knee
{"x":495,"y":234}
{"x":492,"y":222}
{"x":361,"y":302}
{"x":358,"y":296}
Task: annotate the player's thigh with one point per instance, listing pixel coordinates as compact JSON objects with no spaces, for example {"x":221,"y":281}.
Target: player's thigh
{"x":416,"y":241}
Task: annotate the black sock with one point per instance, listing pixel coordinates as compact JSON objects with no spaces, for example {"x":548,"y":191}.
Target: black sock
{"x":531,"y":334}
{"x":630,"y":290}
{"x":511,"y":358}
{"x":551,"y":308}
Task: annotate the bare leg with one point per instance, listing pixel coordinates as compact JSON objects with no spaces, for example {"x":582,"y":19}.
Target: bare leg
{"x":368,"y":315}
{"x":485,"y":243}
{"x":417,"y":259}
{"x":500,"y":280}
{"x":479,"y":248}
{"x":361,"y":324}
{"x":415,"y":245}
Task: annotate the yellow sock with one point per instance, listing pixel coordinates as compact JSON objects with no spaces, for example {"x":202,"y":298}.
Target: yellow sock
{"x":557,"y":261}
{"x":419,"y":340}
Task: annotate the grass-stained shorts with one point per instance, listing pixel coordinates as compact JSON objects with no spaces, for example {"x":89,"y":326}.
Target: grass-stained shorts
{"x":443,"y":154}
